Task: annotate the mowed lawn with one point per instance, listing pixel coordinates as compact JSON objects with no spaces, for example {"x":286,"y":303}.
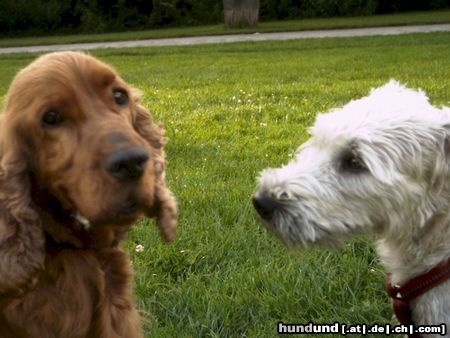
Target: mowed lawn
{"x":230,"y":111}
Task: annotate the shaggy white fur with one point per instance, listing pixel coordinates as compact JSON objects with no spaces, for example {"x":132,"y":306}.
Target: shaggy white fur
{"x":378,"y":165}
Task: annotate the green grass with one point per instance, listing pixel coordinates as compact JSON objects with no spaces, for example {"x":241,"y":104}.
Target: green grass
{"x":412,"y":18}
{"x":230,"y":111}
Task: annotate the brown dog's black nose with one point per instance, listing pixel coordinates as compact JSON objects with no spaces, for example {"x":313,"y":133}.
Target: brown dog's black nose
{"x":265,"y":205}
{"x":127,"y":164}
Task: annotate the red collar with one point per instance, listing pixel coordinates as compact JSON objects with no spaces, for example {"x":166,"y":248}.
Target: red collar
{"x":402,"y":295}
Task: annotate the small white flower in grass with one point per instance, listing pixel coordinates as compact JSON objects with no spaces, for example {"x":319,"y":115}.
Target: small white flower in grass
{"x":139,"y":248}
{"x":263,"y":124}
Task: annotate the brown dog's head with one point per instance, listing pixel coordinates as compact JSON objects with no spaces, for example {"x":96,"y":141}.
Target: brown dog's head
{"x":84,"y":145}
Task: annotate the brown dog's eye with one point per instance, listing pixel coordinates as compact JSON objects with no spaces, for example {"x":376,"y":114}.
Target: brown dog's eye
{"x":52,"y":118}
{"x":121,"y":97}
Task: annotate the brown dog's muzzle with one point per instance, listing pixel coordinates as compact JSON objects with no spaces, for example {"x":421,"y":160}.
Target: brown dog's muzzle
{"x":127,"y":164}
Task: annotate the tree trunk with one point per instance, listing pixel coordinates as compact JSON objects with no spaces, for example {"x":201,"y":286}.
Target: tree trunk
{"x":241,"y":13}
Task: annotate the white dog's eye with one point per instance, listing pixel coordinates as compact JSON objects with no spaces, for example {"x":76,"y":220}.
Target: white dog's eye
{"x":352,"y":163}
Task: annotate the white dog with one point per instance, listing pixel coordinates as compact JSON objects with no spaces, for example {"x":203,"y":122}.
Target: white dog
{"x":379,"y":165}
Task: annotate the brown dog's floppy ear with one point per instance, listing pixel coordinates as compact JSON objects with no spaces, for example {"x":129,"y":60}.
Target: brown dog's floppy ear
{"x":165,"y":208}
{"x":22,"y":242}
{"x":143,"y":123}
{"x":166,"y":212}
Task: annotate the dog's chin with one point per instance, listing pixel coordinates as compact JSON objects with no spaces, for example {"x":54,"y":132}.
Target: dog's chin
{"x":295,"y":232}
{"x":123,"y":213}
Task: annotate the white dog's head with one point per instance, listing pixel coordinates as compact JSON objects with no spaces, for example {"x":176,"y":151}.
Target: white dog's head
{"x":376,"y":165}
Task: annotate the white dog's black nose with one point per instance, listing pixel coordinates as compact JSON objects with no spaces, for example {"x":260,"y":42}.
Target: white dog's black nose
{"x":265,"y":205}
{"x":127,"y":164}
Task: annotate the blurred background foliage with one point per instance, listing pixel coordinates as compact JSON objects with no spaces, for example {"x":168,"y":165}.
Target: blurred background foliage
{"x":44,"y":17}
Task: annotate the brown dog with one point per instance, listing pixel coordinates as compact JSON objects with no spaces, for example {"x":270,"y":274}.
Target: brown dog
{"x":80,"y":161}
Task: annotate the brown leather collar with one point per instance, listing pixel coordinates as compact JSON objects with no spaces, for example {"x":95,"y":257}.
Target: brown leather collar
{"x":402,"y":295}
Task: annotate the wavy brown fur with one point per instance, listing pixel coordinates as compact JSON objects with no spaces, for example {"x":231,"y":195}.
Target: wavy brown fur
{"x":58,"y":277}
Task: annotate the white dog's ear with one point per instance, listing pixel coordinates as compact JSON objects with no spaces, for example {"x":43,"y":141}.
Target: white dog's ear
{"x":446,"y":146}
{"x":446,"y":143}
{"x":440,"y":173}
